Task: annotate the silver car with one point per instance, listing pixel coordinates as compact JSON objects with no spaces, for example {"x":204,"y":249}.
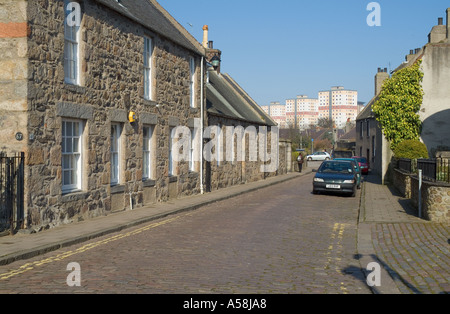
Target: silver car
{"x":319,"y":156}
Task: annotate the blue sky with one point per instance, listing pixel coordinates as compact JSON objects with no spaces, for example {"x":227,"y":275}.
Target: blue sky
{"x":280,"y":49}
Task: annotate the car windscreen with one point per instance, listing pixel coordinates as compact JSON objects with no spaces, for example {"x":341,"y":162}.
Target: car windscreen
{"x":336,"y":167}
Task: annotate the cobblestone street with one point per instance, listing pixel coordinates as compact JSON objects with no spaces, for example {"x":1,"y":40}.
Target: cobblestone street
{"x":276,"y":240}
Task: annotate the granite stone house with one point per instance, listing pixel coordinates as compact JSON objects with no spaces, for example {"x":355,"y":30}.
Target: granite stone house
{"x":94,"y":91}
{"x":95,"y":88}
{"x":239,"y":122}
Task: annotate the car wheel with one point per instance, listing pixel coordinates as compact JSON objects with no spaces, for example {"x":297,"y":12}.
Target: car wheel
{"x":309,"y":159}
{"x":327,"y":158}
{"x":315,"y":192}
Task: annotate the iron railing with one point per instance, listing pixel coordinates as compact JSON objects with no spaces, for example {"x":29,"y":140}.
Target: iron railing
{"x":406,"y":165}
{"x":11,"y":192}
{"x":436,"y":170}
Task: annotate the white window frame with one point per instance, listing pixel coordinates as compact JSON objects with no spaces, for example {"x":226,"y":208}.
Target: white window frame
{"x":148,"y":82}
{"x":192,"y":81}
{"x":172,"y":164}
{"x":115,"y":151}
{"x":219,"y":145}
{"x":147,"y":151}
{"x":71,"y":50}
{"x":193,"y":150}
{"x":71,"y":148}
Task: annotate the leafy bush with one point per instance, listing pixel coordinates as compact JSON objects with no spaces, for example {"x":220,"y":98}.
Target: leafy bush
{"x":411,"y":149}
{"x":398,"y":105}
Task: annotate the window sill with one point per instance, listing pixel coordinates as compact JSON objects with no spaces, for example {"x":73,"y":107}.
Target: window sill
{"x":193,"y":174}
{"x":74,"y":88}
{"x":117,"y":189}
{"x":149,"y":183}
{"x":173,"y":179}
{"x":149,"y":102}
{"x":72,"y":196}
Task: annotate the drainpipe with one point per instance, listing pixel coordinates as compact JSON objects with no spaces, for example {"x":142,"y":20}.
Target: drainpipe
{"x":201,"y":127}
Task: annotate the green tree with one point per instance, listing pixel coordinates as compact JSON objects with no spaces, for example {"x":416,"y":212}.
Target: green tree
{"x":398,"y":105}
{"x":325,"y":123}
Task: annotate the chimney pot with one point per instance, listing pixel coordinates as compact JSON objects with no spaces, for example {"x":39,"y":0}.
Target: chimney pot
{"x":440,"y":21}
{"x":411,"y":52}
{"x":205,"y":36}
{"x":210,"y":44}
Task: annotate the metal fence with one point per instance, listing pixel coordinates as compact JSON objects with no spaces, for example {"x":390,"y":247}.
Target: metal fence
{"x":11,"y":192}
{"x":408,"y":165}
{"x":436,"y":170}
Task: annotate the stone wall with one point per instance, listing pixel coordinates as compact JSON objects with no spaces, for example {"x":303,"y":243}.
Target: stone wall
{"x":435,"y":196}
{"x":225,"y":173}
{"x":402,"y":182}
{"x":435,"y":200}
{"x":13,"y":75}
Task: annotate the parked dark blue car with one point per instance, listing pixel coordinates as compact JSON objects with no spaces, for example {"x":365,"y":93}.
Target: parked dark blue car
{"x":336,"y":176}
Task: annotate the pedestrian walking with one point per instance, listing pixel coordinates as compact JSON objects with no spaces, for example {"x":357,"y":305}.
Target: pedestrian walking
{"x":300,"y":162}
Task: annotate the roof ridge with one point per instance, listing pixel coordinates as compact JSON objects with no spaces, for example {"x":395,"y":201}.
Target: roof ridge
{"x":180,"y":27}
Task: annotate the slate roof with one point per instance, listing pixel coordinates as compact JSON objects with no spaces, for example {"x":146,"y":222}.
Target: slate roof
{"x":150,"y":14}
{"x":367,"y":113}
{"x":349,"y":136}
{"x":226,"y":98}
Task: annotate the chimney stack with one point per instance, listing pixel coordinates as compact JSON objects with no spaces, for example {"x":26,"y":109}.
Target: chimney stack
{"x":205,"y":36}
{"x":448,"y":24}
{"x":438,"y":33}
{"x":213,"y":56}
{"x":380,"y":77}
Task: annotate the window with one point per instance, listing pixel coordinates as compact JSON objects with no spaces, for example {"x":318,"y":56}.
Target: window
{"x":148,"y":51}
{"x":71,"y":42}
{"x":192,"y":81}
{"x":368,"y":128}
{"x":71,"y":155}
{"x":116,"y":130}
{"x":147,"y":151}
{"x":373,"y":148}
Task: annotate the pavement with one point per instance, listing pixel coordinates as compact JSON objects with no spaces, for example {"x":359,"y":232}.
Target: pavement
{"x":413,"y":254}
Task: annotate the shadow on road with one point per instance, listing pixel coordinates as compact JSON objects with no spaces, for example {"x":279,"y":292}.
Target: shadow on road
{"x":355,"y":272}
